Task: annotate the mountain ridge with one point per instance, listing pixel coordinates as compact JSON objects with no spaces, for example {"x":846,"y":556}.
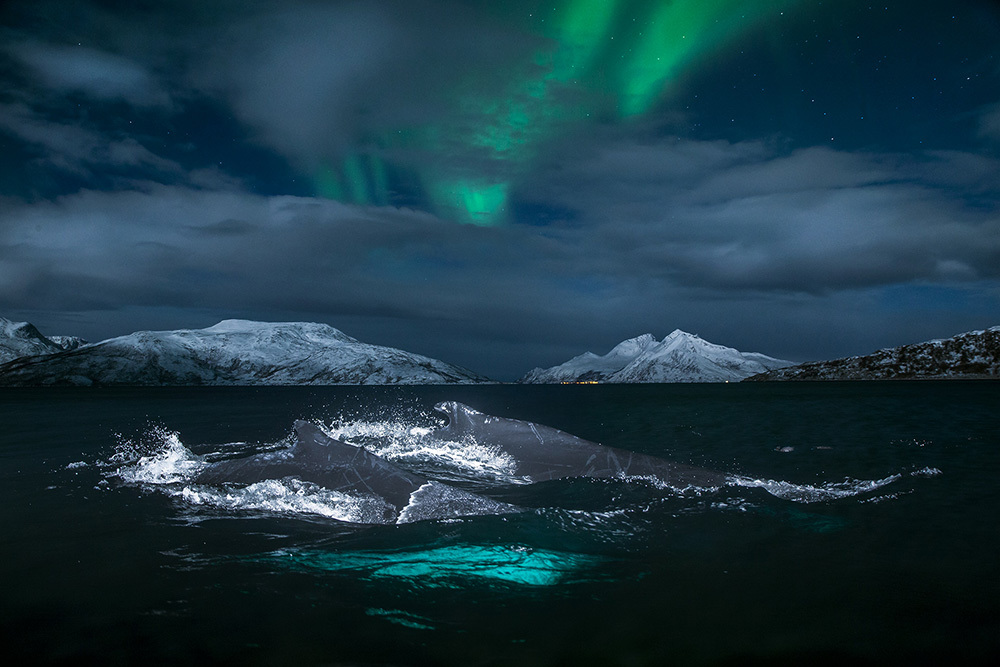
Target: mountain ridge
{"x":234,"y":352}
{"x":679,"y":357}
{"x":18,"y":339}
{"x":971,"y":354}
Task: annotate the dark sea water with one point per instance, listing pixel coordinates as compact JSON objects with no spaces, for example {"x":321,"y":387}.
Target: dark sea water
{"x":859,"y":527}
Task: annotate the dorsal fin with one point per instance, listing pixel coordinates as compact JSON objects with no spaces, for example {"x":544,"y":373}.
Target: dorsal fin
{"x":460,"y":416}
{"x":308,"y":436}
{"x":311,"y":443}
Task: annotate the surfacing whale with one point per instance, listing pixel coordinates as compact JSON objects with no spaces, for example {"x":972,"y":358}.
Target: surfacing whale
{"x":337,"y":466}
{"x":544,"y":453}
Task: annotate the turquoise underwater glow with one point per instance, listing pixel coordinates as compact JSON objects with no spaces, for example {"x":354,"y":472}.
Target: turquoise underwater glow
{"x":602,"y":60}
{"x":448,"y":567}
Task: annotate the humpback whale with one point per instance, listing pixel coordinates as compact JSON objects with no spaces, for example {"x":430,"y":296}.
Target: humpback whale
{"x":317,"y":458}
{"x":544,"y":453}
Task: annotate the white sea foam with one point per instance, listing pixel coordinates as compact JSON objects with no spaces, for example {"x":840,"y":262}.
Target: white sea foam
{"x":290,"y":496}
{"x":171,"y":463}
{"x":169,"y":467}
{"x":663,"y":485}
{"x":440,"y":501}
{"x":410,"y":444}
{"x":804,"y":493}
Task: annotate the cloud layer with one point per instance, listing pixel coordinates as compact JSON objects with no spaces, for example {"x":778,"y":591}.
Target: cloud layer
{"x":136,"y":143}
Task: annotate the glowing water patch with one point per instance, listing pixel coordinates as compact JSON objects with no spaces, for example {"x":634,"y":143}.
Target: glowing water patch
{"x":448,"y":567}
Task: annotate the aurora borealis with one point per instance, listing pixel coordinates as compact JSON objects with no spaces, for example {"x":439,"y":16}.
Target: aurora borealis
{"x":595,"y":60}
{"x":505,"y":185}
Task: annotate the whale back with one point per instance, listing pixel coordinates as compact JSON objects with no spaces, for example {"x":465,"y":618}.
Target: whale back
{"x":316,"y":457}
{"x":544,"y":453}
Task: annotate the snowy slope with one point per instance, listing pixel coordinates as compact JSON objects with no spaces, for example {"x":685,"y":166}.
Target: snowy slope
{"x":68,"y":342}
{"x":974,"y":354}
{"x":235,"y":352}
{"x":684,"y":357}
{"x":590,"y":367}
{"x":18,"y":339}
{"x":680,"y":357}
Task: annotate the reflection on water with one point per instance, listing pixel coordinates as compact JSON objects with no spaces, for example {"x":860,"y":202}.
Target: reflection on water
{"x":446,"y":567}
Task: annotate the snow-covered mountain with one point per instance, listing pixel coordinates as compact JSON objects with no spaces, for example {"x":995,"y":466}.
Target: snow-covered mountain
{"x":974,"y":354}
{"x":234,"y":352}
{"x":18,"y":339}
{"x":589,"y":367}
{"x":680,"y":357}
{"x":68,"y":342}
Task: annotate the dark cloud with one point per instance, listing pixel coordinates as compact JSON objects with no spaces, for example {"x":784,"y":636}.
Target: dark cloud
{"x":246,"y":253}
{"x":154,"y":124}
{"x":738,"y":217}
{"x":316,"y":79}
{"x":989,"y":123}
{"x":79,"y":150}
{"x":96,"y":74}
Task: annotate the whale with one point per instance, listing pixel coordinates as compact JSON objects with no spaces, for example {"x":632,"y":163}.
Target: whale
{"x":543,"y":453}
{"x":337,"y":466}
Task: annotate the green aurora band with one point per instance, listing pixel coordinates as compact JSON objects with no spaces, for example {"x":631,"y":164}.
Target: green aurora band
{"x":603,"y":60}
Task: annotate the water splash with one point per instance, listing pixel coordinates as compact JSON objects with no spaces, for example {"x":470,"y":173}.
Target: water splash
{"x":412,"y":445}
{"x":290,"y":496}
{"x":161,"y":462}
{"x":170,"y":462}
{"x":440,"y":501}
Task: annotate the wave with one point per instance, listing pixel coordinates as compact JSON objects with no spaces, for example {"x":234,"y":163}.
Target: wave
{"x":805,"y":493}
{"x":403,"y":618}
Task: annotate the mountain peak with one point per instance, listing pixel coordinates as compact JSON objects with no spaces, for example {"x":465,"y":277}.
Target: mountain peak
{"x":240,"y":326}
{"x":678,"y":333}
{"x":18,"y":339}
{"x":632,"y":346}
{"x":679,"y":357}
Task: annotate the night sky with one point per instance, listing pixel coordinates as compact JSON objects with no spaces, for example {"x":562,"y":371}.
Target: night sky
{"x":505,"y":185}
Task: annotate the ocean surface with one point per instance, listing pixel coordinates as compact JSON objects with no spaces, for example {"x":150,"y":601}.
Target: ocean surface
{"x":857,"y":525}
